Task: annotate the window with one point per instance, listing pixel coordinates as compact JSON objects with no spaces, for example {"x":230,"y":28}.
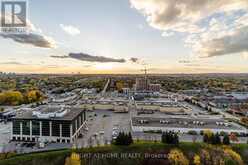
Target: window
{"x":16,"y":127}
{"x":35,"y":128}
{"x":55,"y":128}
{"x":45,"y":128}
{"x":26,"y":127}
{"x":66,"y":129}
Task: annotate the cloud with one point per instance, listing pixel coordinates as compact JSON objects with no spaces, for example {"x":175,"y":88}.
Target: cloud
{"x":36,"y":40}
{"x":167,"y":34}
{"x":12,"y":63}
{"x":184,"y":61}
{"x":236,"y":42}
{"x":212,"y":27}
{"x":33,"y":37}
{"x":69,"y":29}
{"x":54,"y":56}
{"x":183,"y":15}
{"x":90,"y":58}
{"x":134,"y":60}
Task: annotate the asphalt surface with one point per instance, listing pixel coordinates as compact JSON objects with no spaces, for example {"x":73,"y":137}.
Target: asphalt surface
{"x":101,"y":124}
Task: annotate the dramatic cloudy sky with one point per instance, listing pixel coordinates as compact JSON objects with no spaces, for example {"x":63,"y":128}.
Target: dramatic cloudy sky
{"x":121,"y":36}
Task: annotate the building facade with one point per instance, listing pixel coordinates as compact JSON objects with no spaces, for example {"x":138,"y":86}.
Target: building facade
{"x":154,"y":87}
{"x":184,"y":125}
{"x":62,"y":126}
{"x":142,"y":84}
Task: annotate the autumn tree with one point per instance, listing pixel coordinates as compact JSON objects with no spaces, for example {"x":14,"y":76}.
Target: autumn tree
{"x":176,"y":157}
{"x":234,"y":156}
{"x":119,"y":85}
{"x":11,"y":98}
{"x":74,"y":159}
{"x":233,"y":137}
{"x":207,"y":136}
{"x":34,"y":96}
{"x":197,"y":160}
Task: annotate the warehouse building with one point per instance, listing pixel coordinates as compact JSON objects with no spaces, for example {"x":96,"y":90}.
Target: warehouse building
{"x":49,"y":124}
{"x":184,"y":125}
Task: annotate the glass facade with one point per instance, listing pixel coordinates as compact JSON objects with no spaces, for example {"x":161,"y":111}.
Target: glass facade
{"x":55,"y":128}
{"x":16,"y":127}
{"x":73,"y":127}
{"x":36,"y":128}
{"x":66,"y":129}
{"x":26,"y":127}
{"x":79,"y":120}
{"x":45,"y":128}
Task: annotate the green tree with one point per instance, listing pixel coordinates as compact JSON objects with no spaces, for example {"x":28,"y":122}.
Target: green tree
{"x":226,"y":140}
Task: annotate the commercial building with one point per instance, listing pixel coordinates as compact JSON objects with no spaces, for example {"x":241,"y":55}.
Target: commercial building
{"x":184,"y":125}
{"x":49,"y":124}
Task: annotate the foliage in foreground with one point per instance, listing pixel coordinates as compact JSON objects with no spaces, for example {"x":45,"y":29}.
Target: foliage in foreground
{"x":181,"y":154}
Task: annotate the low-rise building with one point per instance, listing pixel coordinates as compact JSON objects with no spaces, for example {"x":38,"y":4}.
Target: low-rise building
{"x":184,"y":125}
{"x":154,"y":87}
{"x":49,"y":124}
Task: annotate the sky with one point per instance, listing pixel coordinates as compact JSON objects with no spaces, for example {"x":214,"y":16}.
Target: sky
{"x":125,"y":36}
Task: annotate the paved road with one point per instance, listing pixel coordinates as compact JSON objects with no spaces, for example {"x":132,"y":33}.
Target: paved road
{"x":102,"y":93}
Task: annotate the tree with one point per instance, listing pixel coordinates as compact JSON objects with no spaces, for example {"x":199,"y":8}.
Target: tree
{"x":234,"y":155}
{"x":176,"y":157}
{"x":11,"y":98}
{"x":130,"y":138}
{"x":74,"y":159}
{"x":197,"y":160}
{"x":175,"y":139}
{"x":33,"y":96}
{"x":170,"y":138}
{"x":119,"y":86}
{"x":216,"y":139}
{"x":208,"y":136}
{"x":233,"y":137}
{"x":226,"y":140}
{"x":124,"y":139}
{"x":1,"y":109}
{"x":244,"y":120}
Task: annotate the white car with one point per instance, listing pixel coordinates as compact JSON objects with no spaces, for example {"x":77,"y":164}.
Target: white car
{"x":95,"y":134}
{"x":114,"y":133}
{"x":101,"y":132}
{"x":115,"y":128}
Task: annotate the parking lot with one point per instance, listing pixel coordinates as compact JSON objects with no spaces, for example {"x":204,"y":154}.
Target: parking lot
{"x":102,"y":124}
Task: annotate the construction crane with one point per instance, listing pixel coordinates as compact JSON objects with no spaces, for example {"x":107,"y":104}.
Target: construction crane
{"x":146,"y":79}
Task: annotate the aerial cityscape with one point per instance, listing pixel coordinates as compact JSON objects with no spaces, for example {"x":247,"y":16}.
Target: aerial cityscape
{"x":135,"y":82}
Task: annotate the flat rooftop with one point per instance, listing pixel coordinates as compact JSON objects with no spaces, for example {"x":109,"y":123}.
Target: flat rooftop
{"x":72,"y":113}
{"x":193,"y":123}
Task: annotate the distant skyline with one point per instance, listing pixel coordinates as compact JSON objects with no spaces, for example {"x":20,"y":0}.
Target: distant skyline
{"x":121,"y":36}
